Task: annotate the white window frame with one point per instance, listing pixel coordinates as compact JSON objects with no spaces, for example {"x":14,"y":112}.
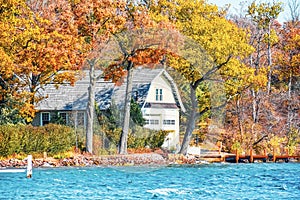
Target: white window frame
{"x":169,"y":122}
{"x":159,"y":94}
{"x":41,"y":118}
{"x":152,"y":121}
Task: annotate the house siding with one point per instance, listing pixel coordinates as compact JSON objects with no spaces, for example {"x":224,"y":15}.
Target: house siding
{"x":160,"y":83}
{"x":70,"y":117}
{"x":146,"y":82}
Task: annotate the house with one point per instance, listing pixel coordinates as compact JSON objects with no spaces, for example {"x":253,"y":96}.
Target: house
{"x":153,"y":89}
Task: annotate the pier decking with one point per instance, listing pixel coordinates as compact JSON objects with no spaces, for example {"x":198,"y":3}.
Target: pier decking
{"x":218,"y":156}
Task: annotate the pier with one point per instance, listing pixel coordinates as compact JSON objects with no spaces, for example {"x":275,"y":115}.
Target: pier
{"x":250,"y":157}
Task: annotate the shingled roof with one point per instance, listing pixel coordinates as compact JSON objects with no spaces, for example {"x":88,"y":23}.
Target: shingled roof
{"x":68,"y":97}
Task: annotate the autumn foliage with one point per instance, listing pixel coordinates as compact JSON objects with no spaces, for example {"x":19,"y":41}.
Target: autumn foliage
{"x":254,"y":58}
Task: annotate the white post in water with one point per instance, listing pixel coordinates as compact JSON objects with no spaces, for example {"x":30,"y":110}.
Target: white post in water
{"x":29,"y":166}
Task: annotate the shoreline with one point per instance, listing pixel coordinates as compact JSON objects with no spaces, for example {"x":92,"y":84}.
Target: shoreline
{"x":136,"y":159}
{"x":88,"y":160}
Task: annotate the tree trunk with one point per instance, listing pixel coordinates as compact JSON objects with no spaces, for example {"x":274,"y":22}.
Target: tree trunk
{"x":126,"y":119}
{"x":240,"y":119}
{"x":255,"y":112}
{"x":289,"y":120}
{"x":254,"y":106}
{"x":90,"y":108}
{"x":269,"y":60}
{"x":191,"y":122}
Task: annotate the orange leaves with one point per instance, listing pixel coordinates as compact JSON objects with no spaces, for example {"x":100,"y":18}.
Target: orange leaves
{"x":147,"y":56}
{"x":288,"y":56}
{"x":96,"y":18}
{"x":115,"y":73}
{"x":37,"y":43}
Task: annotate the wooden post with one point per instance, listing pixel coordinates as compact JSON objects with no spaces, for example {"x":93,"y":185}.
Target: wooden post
{"x":251,"y":155}
{"x":220,"y":147}
{"x":265,"y":156}
{"x":274,"y":156}
{"x":237,"y":156}
{"x":29,"y":166}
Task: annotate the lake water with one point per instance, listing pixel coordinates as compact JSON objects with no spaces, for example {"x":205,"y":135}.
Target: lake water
{"x":206,"y":181}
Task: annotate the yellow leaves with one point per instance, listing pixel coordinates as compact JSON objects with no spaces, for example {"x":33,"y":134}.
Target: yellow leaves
{"x":272,"y":37}
{"x":260,"y":78}
{"x":184,"y":67}
{"x":204,"y":24}
{"x":35,"y":48}
{"x":276,"y":141}
{"x":27,"y":111}
{"x":6,"y":65}
{"x":264,"y":13}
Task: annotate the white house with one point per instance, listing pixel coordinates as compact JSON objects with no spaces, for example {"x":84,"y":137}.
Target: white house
{"x":153,"y":89}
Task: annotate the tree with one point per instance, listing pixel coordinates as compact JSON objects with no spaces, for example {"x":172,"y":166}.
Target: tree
{"x":288,"y":60}
{"x":263,"y":16}
{"x":294,"y":8}
{"x":142,"y":43}
{"x":213,"y":46}
{"x":52,"y":38}
{"x":93,"y":21}
{"x":38,"y":49}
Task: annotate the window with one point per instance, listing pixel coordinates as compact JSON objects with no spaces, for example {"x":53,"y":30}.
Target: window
{"x":169,"y":122}
{"x":80,"y":118}
{"x":152,"y":121}
{"x":63,"y":117}
{"x":45,"y":118}
{"x":159,"y":95}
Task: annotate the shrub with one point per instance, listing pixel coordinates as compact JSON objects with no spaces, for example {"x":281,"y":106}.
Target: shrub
{"x":156,"y":138}
{"x":27,"y":139}
{"x":139,"y":137}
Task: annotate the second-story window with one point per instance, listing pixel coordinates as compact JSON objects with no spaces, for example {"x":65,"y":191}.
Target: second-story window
{"x":159,"y":95}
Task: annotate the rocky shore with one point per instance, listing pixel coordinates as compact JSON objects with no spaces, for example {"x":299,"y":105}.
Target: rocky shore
{"x":83,"y":160}
{"x":105,"y":160}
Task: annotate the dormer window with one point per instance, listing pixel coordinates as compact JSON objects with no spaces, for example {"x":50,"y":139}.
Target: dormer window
{"x":159,"y":95}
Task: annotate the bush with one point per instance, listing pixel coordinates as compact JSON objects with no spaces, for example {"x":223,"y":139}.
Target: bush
{"x":156,"y":138}
{"x":28,"y":139}
{"x":139,"y":138}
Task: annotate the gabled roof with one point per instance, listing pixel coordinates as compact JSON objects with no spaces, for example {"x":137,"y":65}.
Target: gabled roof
{"x":75,"y":97}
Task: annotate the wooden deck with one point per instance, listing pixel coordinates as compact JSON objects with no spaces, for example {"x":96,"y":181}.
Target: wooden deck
{"x":264,"y":158}
{"x":218,"y":156}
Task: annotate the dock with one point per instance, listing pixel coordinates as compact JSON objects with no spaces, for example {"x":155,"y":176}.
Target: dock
{"x":218,"y":156}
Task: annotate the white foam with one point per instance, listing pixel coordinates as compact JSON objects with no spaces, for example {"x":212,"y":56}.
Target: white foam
{"x":12,"y":170}
{"x":164,"y":191}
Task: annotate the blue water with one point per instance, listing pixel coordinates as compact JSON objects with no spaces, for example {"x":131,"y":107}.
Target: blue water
{"x":207,"y":181}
